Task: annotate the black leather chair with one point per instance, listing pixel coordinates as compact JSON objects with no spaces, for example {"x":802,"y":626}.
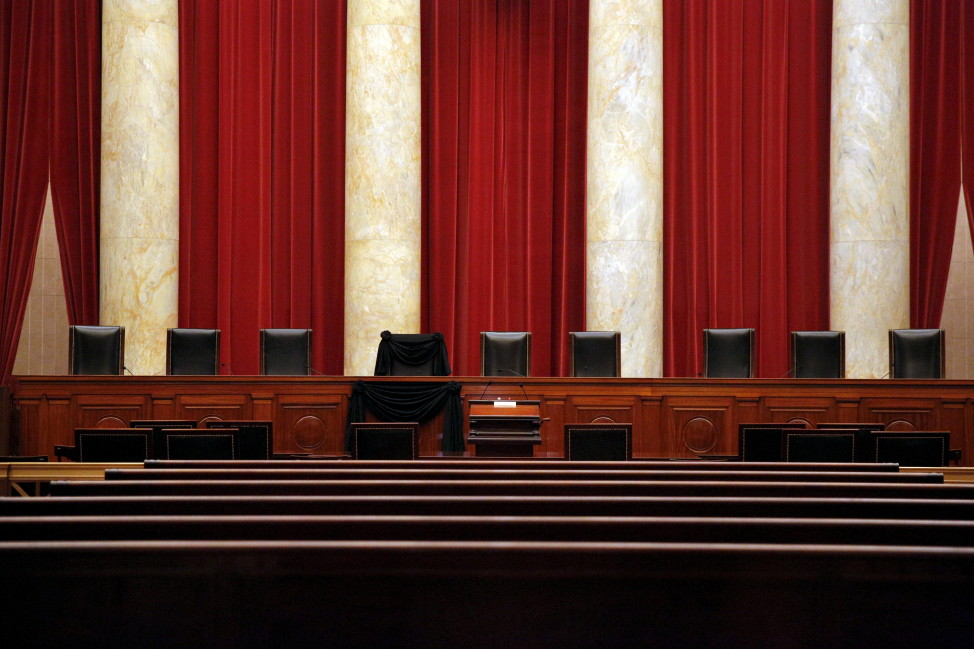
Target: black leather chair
{"x":763,"y":442}
{"x":192,"y":351}
{"x":412,"y":355}
{"x":157,"y":426}
{"x":112,"y":444}
{"x":818,"y":354}
{"x":916,"y":353}
{"x":285,"y":352}
{"x":598,"y":442}
{"x":820,"y":445}
{"x":595,"y":353}
{"x":199,"y":444}
{"x":914,"y":448}
{"x":385,"y":441}
{"x":864,"y":443}
{"x":255,"y":439}
{"x":505,"y":353}
{"x":728,"y":353}
{"x":96,"y":350}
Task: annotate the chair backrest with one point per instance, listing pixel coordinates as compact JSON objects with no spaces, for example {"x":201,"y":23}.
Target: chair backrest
{"x":916,"y":353}
{"x":763,"y":442}
{"x":820,"y":445}
{"x":157,"y":426}
{"x":595,"y":353}
{"x":285,"y":352}
{"x":199,"y":444}
{"x":818,"y":354}
{"x":385,"y":441}
{"x":728,"y":353}
{"x":96,"y":350}
{"x":192,"y":351}
{"x":505,"y":353}
{"x":598,"y":442}
{"x":113,"y":444}
{"x":412,"y":355}
{"x":255,"y":438}
{"x":914,"y":448}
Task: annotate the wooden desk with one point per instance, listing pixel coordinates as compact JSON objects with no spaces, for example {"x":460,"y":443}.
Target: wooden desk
{"x":671,"y":417}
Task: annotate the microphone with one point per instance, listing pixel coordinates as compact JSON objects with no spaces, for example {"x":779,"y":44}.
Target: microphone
{"x":523,"y":391}
{"x":884,"y":375}
{"x":511,"y":372}
{"x":314,"y":371}
{"x":229,"y":371}
{"x":793,"y":370}
{"x":128,"y":370}
{"x":489,"y":383}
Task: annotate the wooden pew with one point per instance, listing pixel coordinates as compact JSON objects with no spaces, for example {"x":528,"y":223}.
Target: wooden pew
{"x":516,"y":474}
{"x":514,"y":488}
{"x":484,"y":594}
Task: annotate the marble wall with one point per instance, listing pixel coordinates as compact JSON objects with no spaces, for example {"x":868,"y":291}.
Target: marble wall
{"x":140,"y":176}
{"x":870,"y":157}
{"x":383,"y":200}
{"x":624,"y":192}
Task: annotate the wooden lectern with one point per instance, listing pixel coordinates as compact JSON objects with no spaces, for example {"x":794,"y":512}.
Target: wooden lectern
{"x":505,"y":428}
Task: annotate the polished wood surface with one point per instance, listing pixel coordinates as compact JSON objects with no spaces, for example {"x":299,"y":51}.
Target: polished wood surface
{"x":671,"y":417}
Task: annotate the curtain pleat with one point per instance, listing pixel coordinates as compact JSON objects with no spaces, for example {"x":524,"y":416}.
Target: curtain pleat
{"x":25,"y":50}
{"x":746,"y":174}
{"x":262,"y":114}
{"x":504,"y":111}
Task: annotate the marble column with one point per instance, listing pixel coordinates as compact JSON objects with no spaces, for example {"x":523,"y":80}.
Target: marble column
{"x":870,"y":162}
{"x":140,"y":176}
{"x":624,"y":194}
{"x":382,"y":177}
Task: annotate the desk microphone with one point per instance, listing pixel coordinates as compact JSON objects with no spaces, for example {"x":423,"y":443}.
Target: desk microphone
{"x":128,"y":370}
{"x":314,"y":371}
{"x":229,"y":371}
{"x":787,"y":374}
{"x":520,"y":385}
{"x":489,"y":383}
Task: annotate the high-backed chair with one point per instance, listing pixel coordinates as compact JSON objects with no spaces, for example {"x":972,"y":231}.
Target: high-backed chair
{"x":192,"y":351}
{"x":199,"y":444}
{"x":818,"y":354}
{"x":836,"y":445}
{"x":505,"y":353}
{"x":598,"y":442}
{"x":763,"y":442}
{"x":385,"y":441}
{"x":157,"y":426}
{"x":96,"y":350}
{"x":412,"y":355}
{"x":285,"y":352}
{"x":112,"y":444}
{"x":255,"y":438}
{"x":595,"y":353}
{"x":910,"y":448}
{"x":916,"y":353}
{"x":728,"y":353}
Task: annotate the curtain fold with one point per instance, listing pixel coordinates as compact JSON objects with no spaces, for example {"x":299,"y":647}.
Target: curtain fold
{"x":75,"y":167}
{"x":504,"y":116}
{"x":746,"y":88}
{"x":262,"y":132}
{"x":25,"y":50}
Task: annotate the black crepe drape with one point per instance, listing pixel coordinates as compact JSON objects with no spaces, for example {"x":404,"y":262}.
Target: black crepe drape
{"x":411,"y":349}
{"x":409,"y":402}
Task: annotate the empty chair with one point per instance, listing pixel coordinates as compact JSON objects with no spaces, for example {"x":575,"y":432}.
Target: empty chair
{"x":820,"y":445}
{"x":112,"y":444}
{"x":255,"y":439}
{"x":96,"y":350}
{"x":818,"y":354}
{"x":763,"y":442}
{"x":595,"y":353}
{"x":598,"y":442}
{"x":910,"y":448}
{"x":285,"y":352}
{"x":192,"y":351}
{"x":505,"y":353}
{"x":728,"y":353}
{"x":198,"y":444}
{"x":412,"y":355}
{"x":916,"y":353}
{"x":157,"y":426}
{"x":385,"y":441}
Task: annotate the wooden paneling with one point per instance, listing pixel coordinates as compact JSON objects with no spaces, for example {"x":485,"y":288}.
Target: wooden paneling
{"x":677,"y":418}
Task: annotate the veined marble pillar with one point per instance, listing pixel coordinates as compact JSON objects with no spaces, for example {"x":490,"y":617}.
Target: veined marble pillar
{"x":140,"y":176}
{"x":870,"y":162}
{"x":624,"y":203}
{"x":382,"y":177}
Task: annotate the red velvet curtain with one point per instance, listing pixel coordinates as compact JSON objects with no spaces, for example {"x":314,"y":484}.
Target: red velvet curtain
{"x":25,"y":50}
{"x":504,"y":113}
{"x":262,"y":132}
{"x":75,"y":119}
{"x":746,"y":86}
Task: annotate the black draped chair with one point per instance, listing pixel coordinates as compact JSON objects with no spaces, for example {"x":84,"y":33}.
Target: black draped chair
{"x":598,"y":442}
{"x":395,"y":401}
{"x":412,"y":355}
{"x":192,"y":351}
{"x":385,"y":441}
{"x":818,"y":354}
{"x":728,"y":353}
{"x":96,"y":350}
{"x":916,"y":353}
{"x":505,"y":353}
{"x":285,"y":352}
{"x":595,"y":353}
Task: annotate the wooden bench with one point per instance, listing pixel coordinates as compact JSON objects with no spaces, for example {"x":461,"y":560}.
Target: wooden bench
{"x":514,"y":488}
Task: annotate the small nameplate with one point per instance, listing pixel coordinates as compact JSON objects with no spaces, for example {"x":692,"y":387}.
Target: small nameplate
{"x":505,"y":404}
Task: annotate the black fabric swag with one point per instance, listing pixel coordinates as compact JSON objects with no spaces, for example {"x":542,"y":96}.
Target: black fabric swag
{"x":414,"y":350}
{"x":409,"y":402}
